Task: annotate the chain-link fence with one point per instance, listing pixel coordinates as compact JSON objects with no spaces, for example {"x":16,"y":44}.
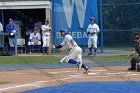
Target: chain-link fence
{"x":120,"y":21}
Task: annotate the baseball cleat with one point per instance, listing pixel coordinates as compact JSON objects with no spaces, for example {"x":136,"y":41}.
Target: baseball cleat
{"x":94,"y":54}
{"x":79,"y":65}
{"x":90,"y":53}
{"x":131,"y":68}
{"x":86,"y":71}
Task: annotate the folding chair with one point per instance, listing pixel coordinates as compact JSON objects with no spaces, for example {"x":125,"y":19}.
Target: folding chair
{"x":21,"y":45}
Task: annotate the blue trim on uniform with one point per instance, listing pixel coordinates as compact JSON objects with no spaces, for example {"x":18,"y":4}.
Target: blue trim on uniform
{"x":84,"y":66}
{"x":91,"y":87}
{"x":95,"y":50}
{"x":73,"y":61}
{"x":46,"y":49}
{"x":90,"y":50}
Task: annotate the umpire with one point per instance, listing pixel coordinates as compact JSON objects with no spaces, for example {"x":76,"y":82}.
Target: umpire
{"x":135,"y":59}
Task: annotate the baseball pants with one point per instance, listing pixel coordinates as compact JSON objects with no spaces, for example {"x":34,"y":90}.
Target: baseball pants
{"x":92,"y":41}
{"x":46,"y":41}
{"x":76,"y":54}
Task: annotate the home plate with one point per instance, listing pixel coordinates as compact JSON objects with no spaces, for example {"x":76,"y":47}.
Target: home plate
{"x":92,"y":73}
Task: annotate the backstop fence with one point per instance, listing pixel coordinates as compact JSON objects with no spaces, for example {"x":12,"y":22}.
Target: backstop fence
{"x":119,"y":22}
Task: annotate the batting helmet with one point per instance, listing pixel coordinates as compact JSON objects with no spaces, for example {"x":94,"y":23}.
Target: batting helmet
{"x":65,"y":31}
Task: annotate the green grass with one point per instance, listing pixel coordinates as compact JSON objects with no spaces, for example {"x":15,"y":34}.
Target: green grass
{"x":2,"y":83}
{"x":116,"y":58}
{"x":29,"y":60}
{"x":120,"y":48}
{"x":125,"y":48}
{"x":26,"y":60}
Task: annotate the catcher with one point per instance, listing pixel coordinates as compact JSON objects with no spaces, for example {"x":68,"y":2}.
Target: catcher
{"x":136,"y":58}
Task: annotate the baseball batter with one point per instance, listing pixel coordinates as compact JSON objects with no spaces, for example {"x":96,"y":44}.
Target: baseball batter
{"x":92,"y":30}
{"x":46,"y":36}
{"x":75,"y":54}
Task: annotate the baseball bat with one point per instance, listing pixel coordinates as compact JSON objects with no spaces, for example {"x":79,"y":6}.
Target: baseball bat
{"x":82,"y":28}
{"x":63,"y":59}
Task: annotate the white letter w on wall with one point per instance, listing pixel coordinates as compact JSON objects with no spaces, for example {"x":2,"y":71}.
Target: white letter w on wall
{"x":69,"y":7}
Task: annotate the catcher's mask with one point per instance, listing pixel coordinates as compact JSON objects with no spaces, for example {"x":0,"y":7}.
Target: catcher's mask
{"x":137,"y":36}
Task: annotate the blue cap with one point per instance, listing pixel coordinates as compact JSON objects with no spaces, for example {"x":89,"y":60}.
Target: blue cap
{"x":92,"y":18}
{"x":10,"y":19}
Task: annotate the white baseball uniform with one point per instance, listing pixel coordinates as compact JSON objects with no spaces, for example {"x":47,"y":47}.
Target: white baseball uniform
{"x":34,"y":37}
{"x":75,"y":51}
{"x":46,"y":35}
{"x":93,"y":30}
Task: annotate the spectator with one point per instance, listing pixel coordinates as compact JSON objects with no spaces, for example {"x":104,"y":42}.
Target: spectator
{"x":34,"y":39}
{"x":19,"y":26}
{"x":37,"y":25}
{"x":11,"y":30}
